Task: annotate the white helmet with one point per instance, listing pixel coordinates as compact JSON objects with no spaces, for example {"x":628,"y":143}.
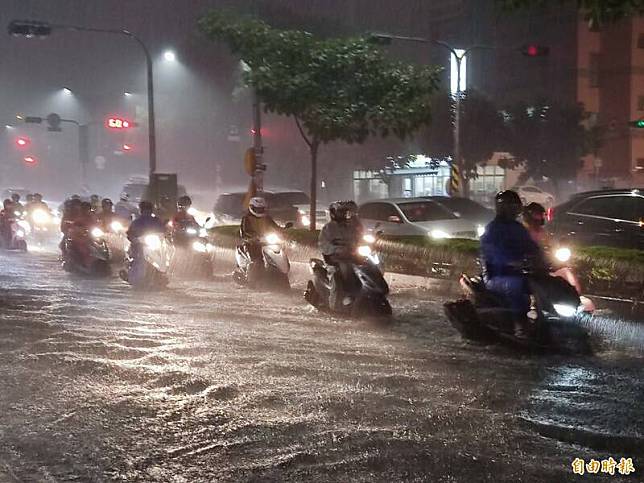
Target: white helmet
{"x":257,"y":206}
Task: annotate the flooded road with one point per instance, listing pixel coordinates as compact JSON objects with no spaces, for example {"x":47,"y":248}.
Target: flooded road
{"x":210,"y":382}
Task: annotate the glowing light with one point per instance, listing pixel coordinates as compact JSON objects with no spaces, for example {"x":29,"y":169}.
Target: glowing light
{"x":67,"y":91}
{"x":127,"y":147}
{"x":565,"y":310}
{"x":364,"y":250}
{"x":454,"y":72}
{"x":97,"y":232}
{"x":22,"y":142}
{"x":169,"y":56}
{"x":480,"y":230}
{"x":116,"y":226}
{"x":40,"y":217}
{"x":369,"y":238}
{"x":30,"y":160}
{"x":152,"y":241}
{"x":273,"y":239}
{"x":199,"y":247}
{"x":439,"y":234}
{"x":563,"y":254}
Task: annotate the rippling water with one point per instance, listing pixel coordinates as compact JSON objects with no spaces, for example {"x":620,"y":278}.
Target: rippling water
{"x":207,"y":381}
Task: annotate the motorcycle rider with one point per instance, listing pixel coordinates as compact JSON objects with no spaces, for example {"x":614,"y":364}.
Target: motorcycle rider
{"x":144,"y":224}
{"x":534,"y":219}
{"x":107,"y":215}
{"x":95,"y":203}
{"x":182,"y":219}
{"x":6,"y":217}
{"x":505,"y":247}
{"x":17,"y":206}
{"x":254,"y":225}
{"x":337,"y":242}
{"x":124,"y":208}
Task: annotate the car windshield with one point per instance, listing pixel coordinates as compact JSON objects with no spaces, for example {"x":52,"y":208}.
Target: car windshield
{"x":425,"y":211}
{"x":290,"y":198}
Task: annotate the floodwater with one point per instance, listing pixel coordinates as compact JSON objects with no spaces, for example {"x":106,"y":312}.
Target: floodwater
{"x":210,"y":382}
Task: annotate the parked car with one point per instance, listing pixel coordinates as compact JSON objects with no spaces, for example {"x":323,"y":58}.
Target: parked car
{"x":532,"y":194}
{"x":609,"y":217}
{"x":466,"y":209}
{"x":302,"y":203}
{"x":415,"y":217}
{"x":229,"y":209}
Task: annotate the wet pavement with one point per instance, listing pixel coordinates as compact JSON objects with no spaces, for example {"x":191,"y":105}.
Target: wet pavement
{"x":210,"y":382}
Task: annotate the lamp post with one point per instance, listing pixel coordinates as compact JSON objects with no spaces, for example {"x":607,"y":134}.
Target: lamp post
{"x":459,"y":55}
{"x":32,"y":28}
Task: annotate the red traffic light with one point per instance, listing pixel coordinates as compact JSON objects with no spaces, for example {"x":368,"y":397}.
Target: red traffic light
{"x":127,"y":147}
{"x":535,"y":50}
{"x":23,"y":142}
{"x":118,"y":123}
{"x":30,"y":160}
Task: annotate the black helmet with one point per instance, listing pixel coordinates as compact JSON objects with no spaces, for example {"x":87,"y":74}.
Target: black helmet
{"x":106,"y":202}
{"x":37,"y":197}
{"x":15,"y":197}
{"x":534,"y":214}
{"x":7,"y":203}
{"x":184,"y":202}
{"x":86,"y":206}
{"x":338,"y":211}
{"x":508,"y":204}
{"x":146,"y":207}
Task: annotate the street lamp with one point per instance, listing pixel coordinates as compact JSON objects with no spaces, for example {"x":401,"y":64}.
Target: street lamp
{"x":32,"y":28}
{"x":170,"y":56}
{"x":67,"y":91}
{"x":457,"y":87}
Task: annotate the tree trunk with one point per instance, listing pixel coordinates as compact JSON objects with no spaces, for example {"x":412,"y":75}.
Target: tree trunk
{"x":314,"y":183}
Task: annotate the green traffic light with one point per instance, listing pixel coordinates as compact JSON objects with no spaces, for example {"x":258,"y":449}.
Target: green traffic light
{"x":640,"y":123}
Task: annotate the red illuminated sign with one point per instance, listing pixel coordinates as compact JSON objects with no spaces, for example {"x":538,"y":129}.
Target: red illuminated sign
{"x":118,"y":123}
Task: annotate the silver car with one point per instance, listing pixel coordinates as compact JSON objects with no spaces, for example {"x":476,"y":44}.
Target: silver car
{"x":416,"y":217}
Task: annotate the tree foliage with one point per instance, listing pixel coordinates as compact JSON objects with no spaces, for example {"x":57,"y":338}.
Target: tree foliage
{"x":548,"y":141}
{"x":481,"y":129}
{"x":336,"y":89}
{"x":598,"y":12}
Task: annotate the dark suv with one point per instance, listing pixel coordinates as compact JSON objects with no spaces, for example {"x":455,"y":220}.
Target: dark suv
{"x":609,"y":217}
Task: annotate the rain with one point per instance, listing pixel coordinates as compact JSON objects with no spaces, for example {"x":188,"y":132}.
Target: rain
{"x":152,"y":329}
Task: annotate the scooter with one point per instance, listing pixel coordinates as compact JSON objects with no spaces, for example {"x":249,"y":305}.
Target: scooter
{"x":148,"y":262}
{"x":550,"y":323}
{"x":86,"y":252}
{"x":15,"y":239}
{"x":193,"y":254}
{"x":273,"y":268}
{"x":42,"y":227}
{"x":366,"y":294}
{"x":115,"y":236}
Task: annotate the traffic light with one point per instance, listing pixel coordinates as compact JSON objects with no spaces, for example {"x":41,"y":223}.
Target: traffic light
{"x":535,"y":50}
{"x":23,"y":141}
{"x":119,"y":123}
{"x":30,"y":160}
{"x":638,"y":124}
{"x":127,"y":147}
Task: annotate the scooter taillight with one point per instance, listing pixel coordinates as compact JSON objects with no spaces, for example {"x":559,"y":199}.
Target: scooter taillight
{"x":550,"y":213}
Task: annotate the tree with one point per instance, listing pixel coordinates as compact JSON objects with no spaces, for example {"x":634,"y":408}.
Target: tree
{"x":547,"y":140}
{"x":598,"y":12}
{"x":481,"y":130}
{"x":336,"y":89}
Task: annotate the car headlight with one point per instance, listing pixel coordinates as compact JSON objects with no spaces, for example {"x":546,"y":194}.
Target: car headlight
{"x":153,"y":242}
{"x":203,"y":232}
{"x":199,"y":247}
{"x":191,"y":231}
{"x":480,"y":230}
{"x":565,"y":310}
{"x":116,"y":226}
{"x":563,"y":254}
{"x":439,"y":234}
{"x":40,"y":217}
{"x":273,"y":239}
{"x":364,"y":250}
{"x":306,"y":221}
{"x":97,"y":232}
{"x":369,"y":238}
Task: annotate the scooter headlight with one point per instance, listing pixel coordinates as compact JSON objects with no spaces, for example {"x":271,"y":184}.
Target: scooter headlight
{"x":369,"y":238}
{"x":480,"y":230}
{"x":199,"y":247}
{"x":117,"y":226}
{"x":563,"y":254}
{"x":26,"y":227}
{"x":97,"y":232}
{"x":153,"y":242}
{"x":306,"y":221}
{"x":565,"y":310}
{"x":191,"y":231}
{"x":192,"y":211}
{"x":40,"y":217}
{"x":364,"y":250}
{"x":20,"y":233}
{"x":273,"y":239}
